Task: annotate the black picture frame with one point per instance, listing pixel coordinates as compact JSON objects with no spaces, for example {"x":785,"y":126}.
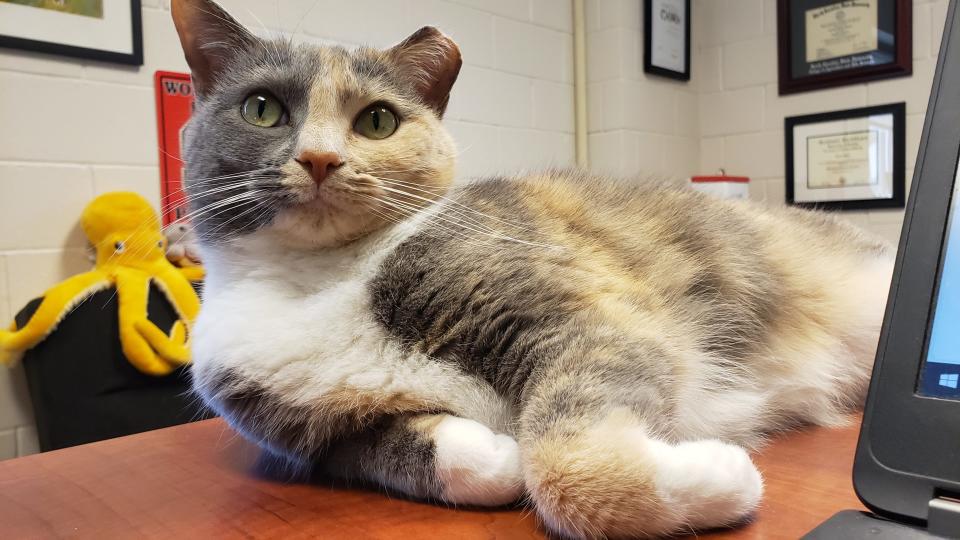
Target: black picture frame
{"x":135,"y":58}
{"x":895,"y":23}
{"x":898,"y":111}
{"x":648,"y":65}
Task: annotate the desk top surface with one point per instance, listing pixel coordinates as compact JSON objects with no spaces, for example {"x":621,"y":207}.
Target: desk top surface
{"x":199,"y":480}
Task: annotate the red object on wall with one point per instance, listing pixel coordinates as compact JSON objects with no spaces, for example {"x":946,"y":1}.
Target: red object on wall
{"x":720,"y":178}
{"x":174,"y":105}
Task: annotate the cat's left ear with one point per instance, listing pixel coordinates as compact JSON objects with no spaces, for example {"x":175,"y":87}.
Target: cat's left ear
{"x":433,"y":61}
{"x":210,"y":38}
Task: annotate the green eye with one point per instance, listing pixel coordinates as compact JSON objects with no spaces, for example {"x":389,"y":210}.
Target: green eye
{"x":376,"y":122}
{"x":263,"y":110}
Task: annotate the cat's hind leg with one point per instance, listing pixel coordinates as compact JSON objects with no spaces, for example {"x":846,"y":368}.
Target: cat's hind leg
{"x":593,"y":469}
{"x":432,"y":456}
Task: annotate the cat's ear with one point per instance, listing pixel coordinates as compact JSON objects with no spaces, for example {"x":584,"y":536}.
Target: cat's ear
{"x":210,"y":37}
{"x":433,"y":61}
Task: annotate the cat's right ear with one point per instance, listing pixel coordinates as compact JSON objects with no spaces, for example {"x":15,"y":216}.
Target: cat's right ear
{"x":209,"y":37}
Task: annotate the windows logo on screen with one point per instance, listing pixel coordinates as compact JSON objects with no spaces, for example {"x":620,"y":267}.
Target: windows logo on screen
{"x":949,"y":380}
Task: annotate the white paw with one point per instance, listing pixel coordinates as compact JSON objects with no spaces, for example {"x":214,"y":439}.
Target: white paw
{"x":711,"y":482}
{"x":475,"y":465}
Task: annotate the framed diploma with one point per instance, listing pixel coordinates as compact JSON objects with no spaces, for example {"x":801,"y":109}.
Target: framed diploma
{"x":847,"y":160}
{"x":666,"y":37}
{"x":824,"y":43}
{"x":103,"y":30}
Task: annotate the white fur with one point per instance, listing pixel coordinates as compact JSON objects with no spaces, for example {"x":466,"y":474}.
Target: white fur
{"x":707,"y":483}
{"x":833,"y":365}
{"x":299,"y":324}
{"x":475,"y":465}
{"x":807,"y":377}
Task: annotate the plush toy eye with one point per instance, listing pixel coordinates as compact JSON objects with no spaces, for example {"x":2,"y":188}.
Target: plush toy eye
{"x":376,"y":122}
{"x":263,"y":110}
{"x":118,"y":247}
{"x":160,"y":244}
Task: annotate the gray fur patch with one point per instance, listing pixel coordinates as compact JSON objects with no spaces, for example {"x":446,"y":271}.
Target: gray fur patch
{"x":227,"y":158}
{"x":391,"y":453}
{"x":487,"y":305}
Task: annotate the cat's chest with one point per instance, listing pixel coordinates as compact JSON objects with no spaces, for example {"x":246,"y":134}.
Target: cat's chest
{"x":271,"y":325}
{"x":281,"y":306}
{"x":323,"y":344}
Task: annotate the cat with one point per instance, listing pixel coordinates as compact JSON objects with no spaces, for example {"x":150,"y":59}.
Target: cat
{"x":605,"y":351}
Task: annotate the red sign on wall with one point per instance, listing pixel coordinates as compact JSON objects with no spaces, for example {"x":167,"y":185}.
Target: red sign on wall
{"x":174,"y":105}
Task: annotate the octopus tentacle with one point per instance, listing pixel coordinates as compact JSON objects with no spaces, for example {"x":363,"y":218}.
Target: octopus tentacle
{"x":57,"y":303}
{"x":174,"y":285}
{"x":172,"y":348}
{"x":192,"y":273}
{"x":133,"y":290}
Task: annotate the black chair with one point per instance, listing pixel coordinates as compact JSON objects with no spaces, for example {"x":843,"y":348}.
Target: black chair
{"x":82,"y":387}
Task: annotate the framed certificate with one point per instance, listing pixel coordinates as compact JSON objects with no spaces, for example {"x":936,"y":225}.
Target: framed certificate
{"x":666,"y":37}
{"x":824,"y":43}
{"x":847,"y":160}
{"x":103,"y":30}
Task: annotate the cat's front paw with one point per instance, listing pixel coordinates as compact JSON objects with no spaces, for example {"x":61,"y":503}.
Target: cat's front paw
{"x":475,"y":465}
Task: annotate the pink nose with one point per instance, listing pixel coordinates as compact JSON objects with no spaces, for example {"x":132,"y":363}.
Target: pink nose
{"x":319,"y":164}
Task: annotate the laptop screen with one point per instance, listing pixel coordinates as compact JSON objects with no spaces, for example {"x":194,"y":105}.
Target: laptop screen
{"x":940,"y":376}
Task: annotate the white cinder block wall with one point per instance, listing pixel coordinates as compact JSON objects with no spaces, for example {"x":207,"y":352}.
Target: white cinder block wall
{"x":741,"y":113}
{"x":71,"y":129}
{"x":638,"y":124}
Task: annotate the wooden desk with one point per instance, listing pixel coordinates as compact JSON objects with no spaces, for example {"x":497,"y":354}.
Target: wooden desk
{"x":196,"y":481}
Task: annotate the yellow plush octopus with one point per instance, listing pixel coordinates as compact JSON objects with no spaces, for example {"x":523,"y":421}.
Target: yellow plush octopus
{"x":125,"y":232}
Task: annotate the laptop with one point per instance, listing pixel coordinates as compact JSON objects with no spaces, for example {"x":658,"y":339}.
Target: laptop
{"x":907,"y":466}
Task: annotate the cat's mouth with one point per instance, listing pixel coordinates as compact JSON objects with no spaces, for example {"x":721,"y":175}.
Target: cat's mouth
{"x":355,"y":194}
{"x":334,"y":212}
{"x":342,"y":190}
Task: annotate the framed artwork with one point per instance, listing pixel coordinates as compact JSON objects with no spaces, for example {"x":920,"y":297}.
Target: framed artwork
{"x":666,"y":38}
{"x":825,"y":43}
{"x":103,"y":30}
{"x":847,"y":160}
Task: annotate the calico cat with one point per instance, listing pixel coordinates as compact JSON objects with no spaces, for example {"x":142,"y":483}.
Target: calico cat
{"x":601,"y":349}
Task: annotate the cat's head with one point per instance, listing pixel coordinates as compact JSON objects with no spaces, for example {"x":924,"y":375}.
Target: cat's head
{"x":321,"y":145}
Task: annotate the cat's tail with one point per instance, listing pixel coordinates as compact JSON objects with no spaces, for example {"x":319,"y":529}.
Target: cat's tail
{"x":604,"y":477}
